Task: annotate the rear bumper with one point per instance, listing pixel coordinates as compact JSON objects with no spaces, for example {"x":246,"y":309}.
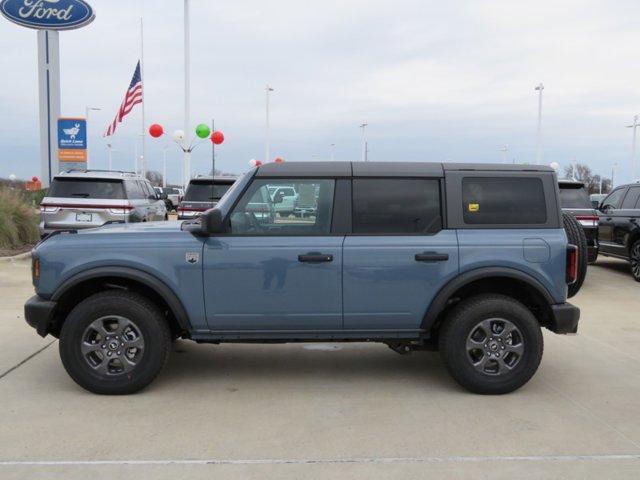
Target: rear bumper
{"x":38,"y":313}
{"x":564,"y":318}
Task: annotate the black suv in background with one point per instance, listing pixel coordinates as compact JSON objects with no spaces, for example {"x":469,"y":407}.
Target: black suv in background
{"x":202,"y":194}
{"x":619,"y":231}
{"x":574,"y":199}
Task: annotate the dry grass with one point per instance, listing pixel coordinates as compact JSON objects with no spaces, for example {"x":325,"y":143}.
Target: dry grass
{"x":18,"y":220}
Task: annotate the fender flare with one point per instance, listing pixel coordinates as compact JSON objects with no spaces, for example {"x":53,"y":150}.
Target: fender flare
{"x":439,"y":303}
{"x":157,"y":285}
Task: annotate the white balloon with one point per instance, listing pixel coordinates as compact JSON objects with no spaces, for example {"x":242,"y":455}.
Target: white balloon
{"x":12,"y":177}
{"x":554,"y":165}
{"x":178,"y":135}
{"x":255,"y":163}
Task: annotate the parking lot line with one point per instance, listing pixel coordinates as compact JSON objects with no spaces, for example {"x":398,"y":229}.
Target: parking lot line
{"x":22,"y":362}
{"x":312,"y":461}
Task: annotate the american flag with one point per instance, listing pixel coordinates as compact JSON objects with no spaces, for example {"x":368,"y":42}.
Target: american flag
{"x":131,"y":98}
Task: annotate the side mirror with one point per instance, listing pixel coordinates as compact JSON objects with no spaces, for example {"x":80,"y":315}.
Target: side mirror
{"x":163,"y":196}
{"x":211,"y":221}
{"x":279,"y":197}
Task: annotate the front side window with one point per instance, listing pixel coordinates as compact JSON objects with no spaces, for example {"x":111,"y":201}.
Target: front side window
{"x":614,"y":199}
{"x":396,"y":206}
{"x":503,"y":201}
{"x":310,"y":212}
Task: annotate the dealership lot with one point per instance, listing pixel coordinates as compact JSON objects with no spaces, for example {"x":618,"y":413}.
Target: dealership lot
{"x":339,"y":411}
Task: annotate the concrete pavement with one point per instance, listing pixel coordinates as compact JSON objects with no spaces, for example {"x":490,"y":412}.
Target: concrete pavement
{"x":330,"y":411}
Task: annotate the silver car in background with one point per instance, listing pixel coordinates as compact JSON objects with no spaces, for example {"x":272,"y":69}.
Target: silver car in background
{"x":92,"y":198}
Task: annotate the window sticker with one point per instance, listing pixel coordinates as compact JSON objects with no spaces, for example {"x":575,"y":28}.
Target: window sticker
{"x":474,"y":207}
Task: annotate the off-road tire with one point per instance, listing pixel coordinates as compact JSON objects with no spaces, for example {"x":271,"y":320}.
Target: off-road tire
{"x":461,"y":322}
{"x":576,"y":236}
{"x":147,"y":318}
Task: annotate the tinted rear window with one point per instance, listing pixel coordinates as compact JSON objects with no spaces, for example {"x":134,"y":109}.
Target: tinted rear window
{"x":503,"y":201}
{"x":574,"y":197}
{"x":86,"y":188}
{"x":202,"y":191}
{"x":396,"y":206}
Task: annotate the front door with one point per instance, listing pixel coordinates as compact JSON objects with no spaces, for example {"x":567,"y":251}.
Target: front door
{"x":273,"y":271}
{"x":398,"y":256}
{"x":608,"y":215}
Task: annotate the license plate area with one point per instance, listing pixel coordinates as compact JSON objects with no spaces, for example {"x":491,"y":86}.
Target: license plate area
{"x":84,"y":217}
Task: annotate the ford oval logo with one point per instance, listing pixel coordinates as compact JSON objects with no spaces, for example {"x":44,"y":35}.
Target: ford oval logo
{"x":48,"y":14}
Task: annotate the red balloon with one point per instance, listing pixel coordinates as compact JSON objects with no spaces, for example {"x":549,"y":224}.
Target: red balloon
{"x":217,"y":137}
{"x":34,"y":179}
{"x":279,"y":160}
{"x":156,"y":130}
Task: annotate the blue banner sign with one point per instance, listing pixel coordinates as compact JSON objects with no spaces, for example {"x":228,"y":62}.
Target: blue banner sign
{"x":72,"y":140}
{"x":48,"y":14}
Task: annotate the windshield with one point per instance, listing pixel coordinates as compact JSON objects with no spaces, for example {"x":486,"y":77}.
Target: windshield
{"x":202,"y":191}
{"x":86,"y":188}
{"x":574,"y":197}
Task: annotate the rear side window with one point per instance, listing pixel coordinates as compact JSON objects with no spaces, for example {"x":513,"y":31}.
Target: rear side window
{"x":574,"y":197}
{"x":503,"y":201}
{"x":134,"y":190}
{"x":396,"y":206}
{"x":86,"y":188}
{"x":631,"y":198}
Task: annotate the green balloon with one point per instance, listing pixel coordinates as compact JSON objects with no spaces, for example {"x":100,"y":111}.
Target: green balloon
{"x":203,"y":130}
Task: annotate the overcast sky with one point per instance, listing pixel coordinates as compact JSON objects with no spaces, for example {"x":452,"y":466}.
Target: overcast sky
{"x":435,"y":81}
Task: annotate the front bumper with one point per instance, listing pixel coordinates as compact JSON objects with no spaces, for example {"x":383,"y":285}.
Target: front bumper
{"x":38,"y":313}
{"x":564,"y":318}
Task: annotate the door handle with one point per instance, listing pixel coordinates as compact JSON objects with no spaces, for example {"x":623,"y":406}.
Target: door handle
{"x":315,"y":257}
{"x":431,"y":257}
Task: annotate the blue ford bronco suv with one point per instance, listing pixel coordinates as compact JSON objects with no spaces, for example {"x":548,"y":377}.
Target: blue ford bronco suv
{"x":468,"y":259}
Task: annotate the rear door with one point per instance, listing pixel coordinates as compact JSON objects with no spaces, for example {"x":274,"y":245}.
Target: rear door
{"x":398,"y":255}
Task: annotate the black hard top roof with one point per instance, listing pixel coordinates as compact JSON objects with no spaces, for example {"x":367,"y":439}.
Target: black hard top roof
{"x":384,"y":169}
{"x":217,"y":180}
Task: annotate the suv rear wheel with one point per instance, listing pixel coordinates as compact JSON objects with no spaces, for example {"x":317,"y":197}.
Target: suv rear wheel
{"x":114,"y":342}
{"x":491,"y":344}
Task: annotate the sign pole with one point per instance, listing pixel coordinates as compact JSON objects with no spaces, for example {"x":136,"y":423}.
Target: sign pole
{"x":49,"y":96}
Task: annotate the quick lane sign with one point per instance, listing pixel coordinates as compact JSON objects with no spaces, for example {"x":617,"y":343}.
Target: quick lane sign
{"x":72,"y":143}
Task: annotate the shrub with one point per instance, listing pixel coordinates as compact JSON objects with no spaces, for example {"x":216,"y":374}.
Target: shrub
{"x":18,"y":219}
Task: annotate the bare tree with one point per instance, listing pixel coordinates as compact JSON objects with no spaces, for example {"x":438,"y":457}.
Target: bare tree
{"x":154,"y":177}
{"x":583,"y":173}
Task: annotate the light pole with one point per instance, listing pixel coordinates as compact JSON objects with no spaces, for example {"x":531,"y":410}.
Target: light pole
{"x":332,"y":148}
{"x":267,"y":146}
{"x":111,"y":150}
{"x":539,"y":88}
{"x":614,"y":167}
{"x":633,"y":147}
{"x":364,"y":142}
{"x":86,"y":118}
{"x":164,"y":166}
{"x":504,"y":150}
{"x":186,"y":175}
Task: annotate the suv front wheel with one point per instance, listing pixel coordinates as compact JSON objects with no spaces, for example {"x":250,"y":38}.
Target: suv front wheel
{"x":114,"y":342}
{"x":491,"y":344}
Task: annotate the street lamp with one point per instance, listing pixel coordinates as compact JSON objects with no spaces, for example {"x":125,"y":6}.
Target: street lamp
{"x":614,"y":167}
{"x":504,"y":150}
{"x":267,"y":147}
{"x":633,"y":147}
{"x":539,"y":88}
{"x":111,"y":150}
{"x":86,"y":117}
{"x":364,"y":142}
{"x":332,"y":147}
{"x":164,"y":166}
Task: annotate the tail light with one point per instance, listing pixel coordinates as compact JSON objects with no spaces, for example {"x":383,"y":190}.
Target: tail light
{"x":121,"y":210}
{"x":48,"y":209}
{"x":35,"y":269}
{"x":572,"y":264}
{"x":588,"y":220}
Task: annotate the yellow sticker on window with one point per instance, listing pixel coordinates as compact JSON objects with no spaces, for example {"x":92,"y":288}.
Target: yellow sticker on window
{"x":474,"y":207}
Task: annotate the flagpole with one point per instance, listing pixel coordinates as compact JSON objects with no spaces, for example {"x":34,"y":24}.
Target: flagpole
{"x":187,"y":94}
{"x":144,"y":141}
